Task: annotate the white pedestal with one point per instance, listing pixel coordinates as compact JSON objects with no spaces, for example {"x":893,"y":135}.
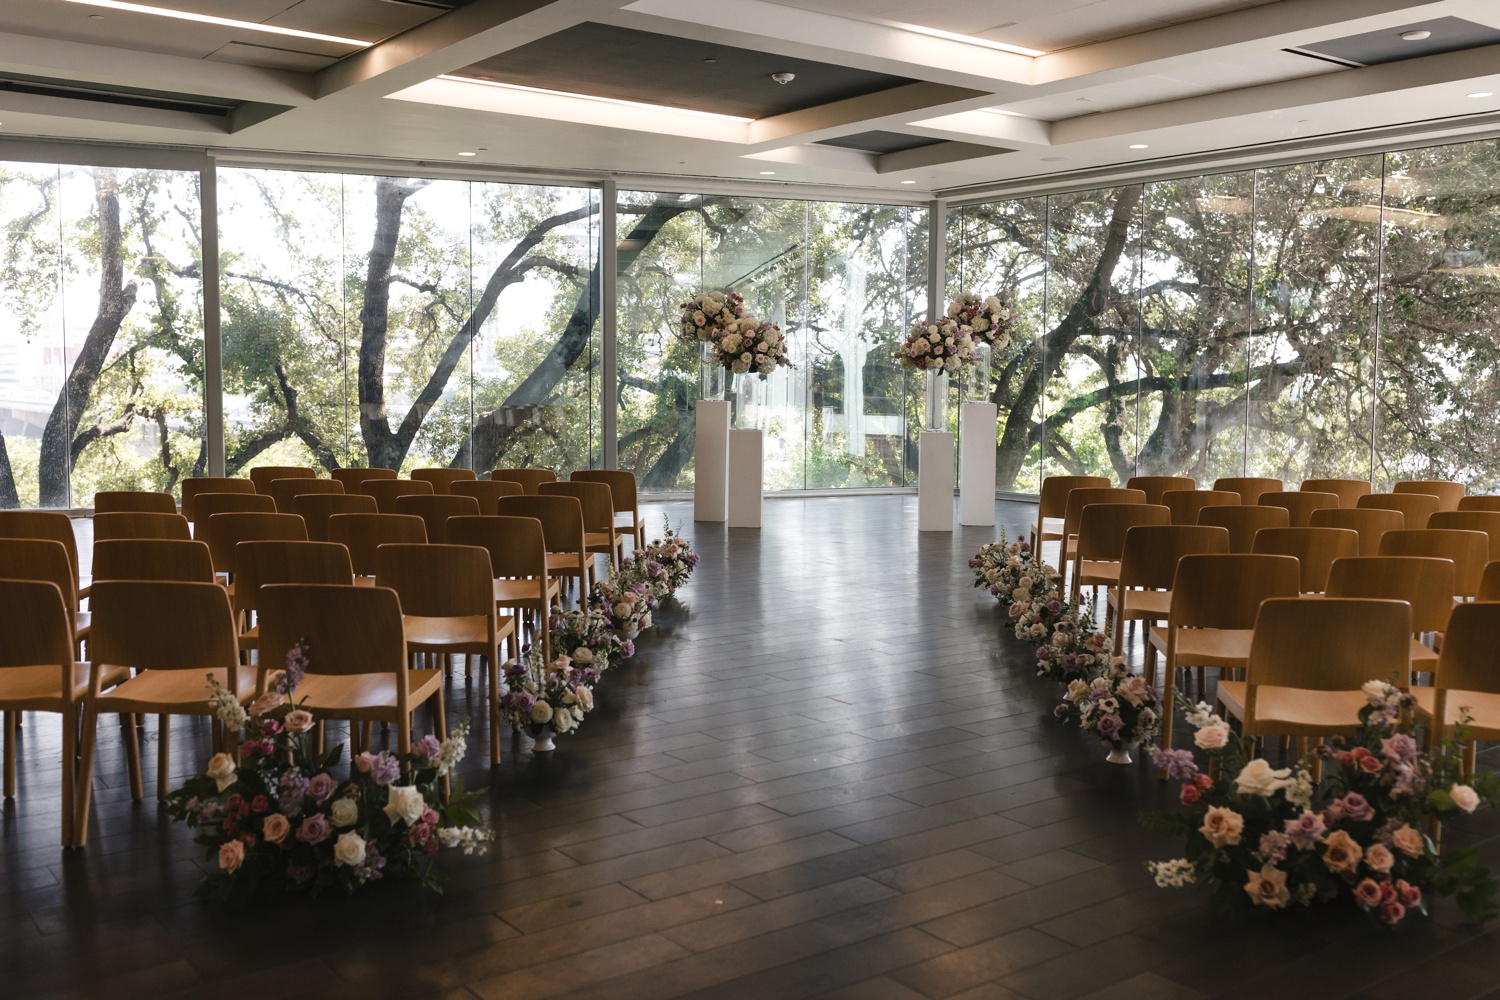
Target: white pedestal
{"x":935,"y":481}
{"x":976,"y":467}
{"x":745,"y":460}
{"x":711,"y":461}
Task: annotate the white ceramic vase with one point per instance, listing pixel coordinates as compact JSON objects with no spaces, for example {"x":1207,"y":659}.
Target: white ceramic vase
{"x":1121,"y":754}
{"x":543,"y":743}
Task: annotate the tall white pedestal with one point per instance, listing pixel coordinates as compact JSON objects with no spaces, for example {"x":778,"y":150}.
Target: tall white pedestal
{"x":745,"y":460}
{"x":935,"y":481}
{"x":976,"y":467}
{"x":711,"y":461}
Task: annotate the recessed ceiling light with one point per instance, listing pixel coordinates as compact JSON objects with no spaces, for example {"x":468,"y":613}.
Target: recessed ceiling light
{"x":228,"y":22}
{"x":467,"y":153}
{"x":768,"y":173}
{"x":1481,"y":93}
{"x":970,"y":39}
{"x":908,"y":182}
{"x":1418,"y":35}
{"x":1139,"y":145}
{"x":584,"y":97}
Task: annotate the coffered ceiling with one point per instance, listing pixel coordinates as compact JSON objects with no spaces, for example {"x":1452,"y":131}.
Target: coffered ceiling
{"x":902,"y":96}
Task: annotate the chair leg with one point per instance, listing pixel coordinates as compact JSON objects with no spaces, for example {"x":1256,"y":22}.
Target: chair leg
{"x":442,"y":727}
{"x":1167,"y":707}
{"x":163,"y":756}
{"x":10,"y":754}
{"x":133,"y":758}
{"x":84,"y":790}
{"x":70,"y":773}
{"x":1471,"y":748}
{"x":494,"y":714}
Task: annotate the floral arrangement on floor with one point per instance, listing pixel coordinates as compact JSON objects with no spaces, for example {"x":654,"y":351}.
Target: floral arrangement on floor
{"x":1006,"y":568}
{"x":1074,"y":650}
{"x":742,"y":343}
{"x":586,"y":636}
{"x":673,"y":554}
{"x":1273,"y":839}
{"x":989,"y":319}
{"x":546,"y":698}
{"x":942,"y":345}
{"x":278,"y":820}
{"x":1036,"y":604}
{"x":1117,"y":706}
{"x":626,"y":598}
{"x":707,"y":316}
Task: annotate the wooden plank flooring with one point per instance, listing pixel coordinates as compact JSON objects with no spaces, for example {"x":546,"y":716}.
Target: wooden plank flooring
{"x":827,"y":774}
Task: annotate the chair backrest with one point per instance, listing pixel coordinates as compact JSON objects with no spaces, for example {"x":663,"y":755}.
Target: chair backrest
{"x":362,"y":534}
{"x":1243,"y":522}
{"x":1053,"y":501}
{"x":1415,"y":508}
{"x":41,"y":524}
{"x":1084,"y":496}
{"x":442,"y":480}
{"x":561,"y":517}
{"x":1487,"y":521}
{"x":261,"y":562}
{"x":1467,"y":662}
{"x":1300,"y":504}
{"x":1469,"y":551}
{"x":488,"y":492}
{"x":352,"y":477}
{"x":387,"y":491}
{"x":1424,"y":583}
{"x":1151,"y":552}
{"x":348,"y":630}
{"x":1480,"y":502}
{"x":435,"y":511}
{"x":1248,"y":487}
{"x":1185,"y":504}
{"x":529,"y":479}
{"x":1314,"y":548}
{"x":1370,"y":522}
{"x":133,"y":501}
{"x":1489,"y":584}
{"x":134,"y":524}
{"x":163,"y":625}
{"x":263,"y":476}
{"x":153,"y":559}
{"x":206,"y":505}
{"x":1226,"y":591}
{"x":1448,"y":493}
{"x":317,"y":508}
{"x":1347,"y":490}
{"x":42,"y":559}
{"x":438,"y":581}
{"x":621,"y":483}
{"x":1155,"y":486}
{"x":1336,"y":644}
{"x":517,"y":548}
{"x":598,"y":504}
{"x":36,"y":628}
{"x":1102,"y":527}
{"x":224,"y":532}
{"x":193,"y":486}
{"x":284,"y":491}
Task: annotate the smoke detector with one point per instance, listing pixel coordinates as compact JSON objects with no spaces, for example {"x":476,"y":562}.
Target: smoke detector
{"x":783,"y":78}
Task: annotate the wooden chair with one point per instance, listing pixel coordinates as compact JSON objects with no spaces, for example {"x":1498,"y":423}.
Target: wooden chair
{"x":1487,"y":521}
{"x":267,"y":562}
{"x":1215,"y":599}
{"x":317,"y":508}
{"x":263,"y":476}
{"x":137,"y":525}
{"x":1415,"y":508}
{"x":622,"y":490}
{"x":284,"y":491}
{"x":39,"y":673}
{"x":1101,"y":541}
{"x":1148,"y":565}
{"x":1080,"y":498}
{"x":562,"y":528}
{"x":1155,"y":486}
{"x":1243,"y":522}
{"x":133,"y":502}
{"x":1315,"y":550}
{"x":1466,"y":685}
{"x":1370,"y":523}
{"x":153,"y":559}
{"x":1479,"y":503}
{"x":435,"y":511}
{"x":351,"y":478}
{"x":46,"y":560}
{"x":518,"y":558}
{"x":442,"y":480}
{"x":1186,"y":505}
{"x":1423,"y":582}
{"x":529,"y":479}
{"x":193,"y":486}
{"x":1448,"y":493}
{"x":487,"y":492}
{"x":1489,"y":584}
{"x":362,"y":534}
{"x":1248,"y":487}
{"x":387,"y":491}
{"x":1300,"y":505}
{"x":1347,"y":490}
{"x":44,"y":524}
{"x":598,"y":516}
{"x":1309,"y":661}
{"x":1469,"y":551}
{"x":224,"y":532}
{"x":171,"y":634}
{"x":206,"y":505}
{"x":1053,"y":504}
{"x":447,"y":598}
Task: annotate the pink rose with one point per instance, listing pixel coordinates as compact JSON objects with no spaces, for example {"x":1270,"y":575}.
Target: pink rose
{"x":1368,"y":892}
{"x":231,"y":856}
{"x":1408,"y":841}
{"x":275,"y":828}
{"x":299,"y":720}
{"x":1379,"y":858}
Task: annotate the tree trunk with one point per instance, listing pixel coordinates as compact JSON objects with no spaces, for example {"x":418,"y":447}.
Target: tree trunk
{"x":10,"y":498}
{"x":374,"y":322}
{"x":115,"y":301}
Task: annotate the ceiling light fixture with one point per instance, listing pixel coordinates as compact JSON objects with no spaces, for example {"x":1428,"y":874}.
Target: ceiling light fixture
{"x":1419,"y":35}
{"x":971,"y":40}
{"x":768,"y":173}
{"x":467,"y":153}
{"x":590,"y":97}
{"x":908,"y":182}
{"x":1139,"y":145}
{"x":1480,"y":93}
{"x":227,"y":22}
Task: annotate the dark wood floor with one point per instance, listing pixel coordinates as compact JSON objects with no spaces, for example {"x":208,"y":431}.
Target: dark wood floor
{"x":828,"y":774}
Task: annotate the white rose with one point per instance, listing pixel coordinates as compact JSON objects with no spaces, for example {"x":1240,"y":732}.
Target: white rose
{"x":344,"y":812}
{"x":586,"y":698}
{"x":1077,"y":690}
{"x":571,"y":698}
{"x":622,"y":610}
{"x":1258,"y":778}
{"x":583,"y":655}
{"x":562,"y":721}
{"x":404,"y":802}
{"x":1211,"y":737}
{"x":1464,"y":797}
{"x":541,"y":713}
{"x":221,"y":769}
{"x":1375,"y":691}
{"x":646,"y":620}
{"x":350,"y":849}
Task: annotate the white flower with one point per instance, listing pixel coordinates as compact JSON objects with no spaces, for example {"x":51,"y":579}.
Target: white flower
{"x":541,"y":713}
{"x":350,"y":849}
{"x":562,"y":721}
{"x":471,"y":838}
{"x":585,"y":698}
{"x":404,"y":802}
{"x":453,"y":748}
{"x":1299,"y":791}
{"x":1258,"y":778}
{"x":1202,"y":714}
{"x":344,"y":812}
{"x":1172,"y":874}
{"x":1211,"y":737}
{"x":583,"y":655}
{"x":221,"y":769}
{"x":1464,"y":797}
{"x":1378,"y":692}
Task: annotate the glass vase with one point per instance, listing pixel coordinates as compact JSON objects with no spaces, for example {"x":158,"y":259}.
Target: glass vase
{"x":713,"y":382}
{"x":935,"y":408}
{"x":978,"y":389}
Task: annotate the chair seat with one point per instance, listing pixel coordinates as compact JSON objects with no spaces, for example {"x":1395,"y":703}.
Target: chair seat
{"x":1295,"y":711}
{"x":250,"y":638}
{"x":515,"y":593}
{"x":563,"y":563}
{"x":38,"y":689}
{"x":82,"y":622}
{"x":357,"y":696}
{"x":1482,"y":707}
{"x":182,"y":692}
{"x":1423,"y":655}
{"x":1091,"y":572}
{"x":1149,"y":604}
{"x":468,"y":633}
{"x":364,"y":581}
{"x":1048,"y":528}
{"x":599,"y":541}
{"x":1207,"y":647}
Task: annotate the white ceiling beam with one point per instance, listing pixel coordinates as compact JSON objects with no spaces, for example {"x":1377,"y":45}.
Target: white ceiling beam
{"x":881,"y":109}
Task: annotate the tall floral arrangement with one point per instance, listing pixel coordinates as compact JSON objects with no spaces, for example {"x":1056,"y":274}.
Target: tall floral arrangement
{"x":542,"y":696}
{"x":1115,"y":705}
{"x":1074,"y":650}
{"x":989,"y":319}
{"x":275,"y":818}
{"x":626,"y":598}
{"x":1273,"y":839}
{"x":674,"y":556}
{"x":741,"y":342}
{"x":939,"y":345}
{"x":586,"y":636}
{"x":707,"y":316}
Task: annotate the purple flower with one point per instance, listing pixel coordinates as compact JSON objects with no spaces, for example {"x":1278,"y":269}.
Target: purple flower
{"x":1044,"y":653}
{"x":1109,"y":726}
{"x":1179,"y":764}
{"x":1061,"y":711}
{"x":321,"y":787}
{"x":294,"y":669}
{"x":1399,"y":747}
{"x":1305,"y":831}
{"x":299,"y":873}
{"x":1054,"y":606}
{"x":385,"y":769}
{"x":293,"y":787}
{"x":627,"y":649}
{"x":1356,"y":809}
{"x":428,"y":748}
{"x":1273,"y":844}
{"x":314,"y":829}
